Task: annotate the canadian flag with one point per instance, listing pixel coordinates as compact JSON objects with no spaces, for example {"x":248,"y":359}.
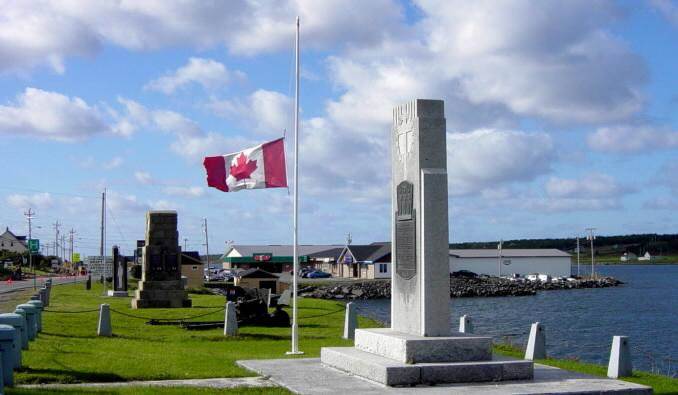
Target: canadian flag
{"x":262,"y":166}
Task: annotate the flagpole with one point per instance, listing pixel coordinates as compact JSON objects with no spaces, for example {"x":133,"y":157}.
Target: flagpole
{"x":295,"y":252}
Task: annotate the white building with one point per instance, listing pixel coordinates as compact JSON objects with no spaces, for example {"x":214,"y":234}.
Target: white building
{"x":549,"y":261}
{"x":11,"y":242}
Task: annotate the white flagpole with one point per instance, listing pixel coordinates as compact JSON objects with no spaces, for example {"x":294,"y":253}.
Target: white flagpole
{"x":295,"y":252}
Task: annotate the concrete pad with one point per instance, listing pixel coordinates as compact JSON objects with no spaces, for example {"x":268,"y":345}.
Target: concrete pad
{"x":407,"y":348}
{"x":234,"y":382}
{"x":308,"y":376}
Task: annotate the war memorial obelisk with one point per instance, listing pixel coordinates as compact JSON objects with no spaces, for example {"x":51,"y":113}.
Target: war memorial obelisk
{"x":419,"y":347}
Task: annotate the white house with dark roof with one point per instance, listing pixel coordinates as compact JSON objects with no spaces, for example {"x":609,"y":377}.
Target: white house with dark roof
{"x":11,"y":242}
{"x":551,"y":261}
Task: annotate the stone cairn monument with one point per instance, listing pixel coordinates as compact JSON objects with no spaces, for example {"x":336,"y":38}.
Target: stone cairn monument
{"x":419,"y":347}
{"x":119,"y":274}
{"x":160,"y":284}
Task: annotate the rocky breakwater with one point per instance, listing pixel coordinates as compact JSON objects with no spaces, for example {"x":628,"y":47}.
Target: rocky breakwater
{"x":459,"y":287}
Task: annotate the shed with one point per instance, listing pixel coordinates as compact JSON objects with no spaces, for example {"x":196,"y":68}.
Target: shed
{"x":192,"y":268}
{"x":257,"y":278}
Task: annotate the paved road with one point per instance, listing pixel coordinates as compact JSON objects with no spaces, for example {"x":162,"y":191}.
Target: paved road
{"x":6,"y":286}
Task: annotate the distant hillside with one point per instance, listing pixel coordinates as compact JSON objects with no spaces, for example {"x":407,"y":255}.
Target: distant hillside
{"x":603,"y":245}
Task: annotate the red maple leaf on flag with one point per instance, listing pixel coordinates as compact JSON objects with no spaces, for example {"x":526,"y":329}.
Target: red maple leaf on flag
{"x":243,"y":168}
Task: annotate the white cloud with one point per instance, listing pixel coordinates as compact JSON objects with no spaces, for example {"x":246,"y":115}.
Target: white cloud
{"x":662,"y":203}
{"x":488,"y":158}
{"x":593,"y":185}
{"x":51,"y":115}
{"x":668,"y":8}
{"x":45,"y":32}
{"x":189,"y":192}
{"x":553,"y":60}
{"x":128,"y":204}
{"x":208,"y":73}
{"x":266,"y":112}
{"x":143,"y":177}
{"x":116,"y":161}
{"x":632,"y":139}
{"x":38,"y":200}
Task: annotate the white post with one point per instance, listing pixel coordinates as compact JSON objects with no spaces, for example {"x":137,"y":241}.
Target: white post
{"x":104,"y":328}
{"x":536,"y":344}
{"x":350,"y":321}
{"x":465,"y":324}
{"x":295,"y":254}
{"x":620,"y":358}
{"x":230,"y":320}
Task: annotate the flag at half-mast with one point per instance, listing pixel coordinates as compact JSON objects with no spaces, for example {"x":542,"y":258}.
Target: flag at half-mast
{"x":257,"y":167}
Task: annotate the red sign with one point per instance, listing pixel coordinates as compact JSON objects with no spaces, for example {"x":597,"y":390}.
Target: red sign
{"x":262,"y":257}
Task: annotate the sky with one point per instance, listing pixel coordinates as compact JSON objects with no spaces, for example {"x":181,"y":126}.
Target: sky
{"x":561,"y":115}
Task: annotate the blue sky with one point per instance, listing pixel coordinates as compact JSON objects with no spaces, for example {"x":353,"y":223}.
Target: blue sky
{"x":560,"y":115}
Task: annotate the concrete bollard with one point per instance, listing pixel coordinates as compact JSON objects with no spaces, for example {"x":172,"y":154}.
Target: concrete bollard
{"x":7,"y":335}
{"x":24,"y":333}
{"x":31,"y":320}
{"x":230,"y":320}
{"x":465,"y":324}
{"x":620,"y":358}
{"x":285,"y":298}
{"x":17,"y":322}
{"x":39,"y":307}
{"x":536,"y":344}
{"x":88,"y":283}
{"x":36,"y":296}
{"x":104,"y":327}
{"x":350,"y":321}
{"x":45,"y":291}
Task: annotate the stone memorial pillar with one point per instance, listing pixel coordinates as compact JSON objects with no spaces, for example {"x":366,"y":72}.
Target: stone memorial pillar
{"x":119,"y":274}
{"x":420,"y":347}
{"x":160,"y":284}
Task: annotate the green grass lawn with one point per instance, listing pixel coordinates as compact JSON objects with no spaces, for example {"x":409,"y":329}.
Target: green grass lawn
{"x":660,"y":384}
{"x":68,"y":350}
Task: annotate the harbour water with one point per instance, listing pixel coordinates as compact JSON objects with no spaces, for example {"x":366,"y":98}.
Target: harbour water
{"x":580,"y":323}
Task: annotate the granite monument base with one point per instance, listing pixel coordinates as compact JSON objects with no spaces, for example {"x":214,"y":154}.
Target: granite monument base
{"x":160,"y":294}
{"x":118,"y":294}
{"x":395,"y":358}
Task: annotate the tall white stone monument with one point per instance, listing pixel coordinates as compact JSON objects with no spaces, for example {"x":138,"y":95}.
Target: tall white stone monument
{"x":420,"y":347}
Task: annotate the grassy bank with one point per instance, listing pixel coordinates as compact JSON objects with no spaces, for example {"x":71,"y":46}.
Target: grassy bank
{"x":614,"y":260}
{"x":68,"y":350}
{"x":660,"y":384}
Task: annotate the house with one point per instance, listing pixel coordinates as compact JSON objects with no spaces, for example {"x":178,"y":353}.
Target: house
{"x":548,"y":261}
{"x":13,"y":243}
{"x":192,"y":268}
{"x":646,"y":257}
{"x":628,"y":256}
{"x":274,"y":258}
{"x":368,"y":261}
{"x":258,"y":278}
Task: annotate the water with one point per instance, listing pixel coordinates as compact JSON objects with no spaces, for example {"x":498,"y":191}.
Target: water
{"x":580,"y":323}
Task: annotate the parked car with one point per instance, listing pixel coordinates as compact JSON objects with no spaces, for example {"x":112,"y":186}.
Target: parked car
{"x":318,"y":274}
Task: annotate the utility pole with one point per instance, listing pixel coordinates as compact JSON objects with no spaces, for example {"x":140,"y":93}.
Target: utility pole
{"x":103,"y":236}
{"x":207,"y":242}
{"x":30,"y":214}
{"x":70,"y":239}
{"x":499,"y":247}
{"x":56,"y":238}
{"x":577,"y":255}
{"x":63,"y":248}
{"x":592,"y":237}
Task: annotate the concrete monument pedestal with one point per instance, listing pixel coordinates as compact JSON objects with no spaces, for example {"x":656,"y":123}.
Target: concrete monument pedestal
{"x":419,"y":347}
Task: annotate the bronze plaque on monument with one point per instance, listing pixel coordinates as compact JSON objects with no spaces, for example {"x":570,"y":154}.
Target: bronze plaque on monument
{"x":405,"y":232}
